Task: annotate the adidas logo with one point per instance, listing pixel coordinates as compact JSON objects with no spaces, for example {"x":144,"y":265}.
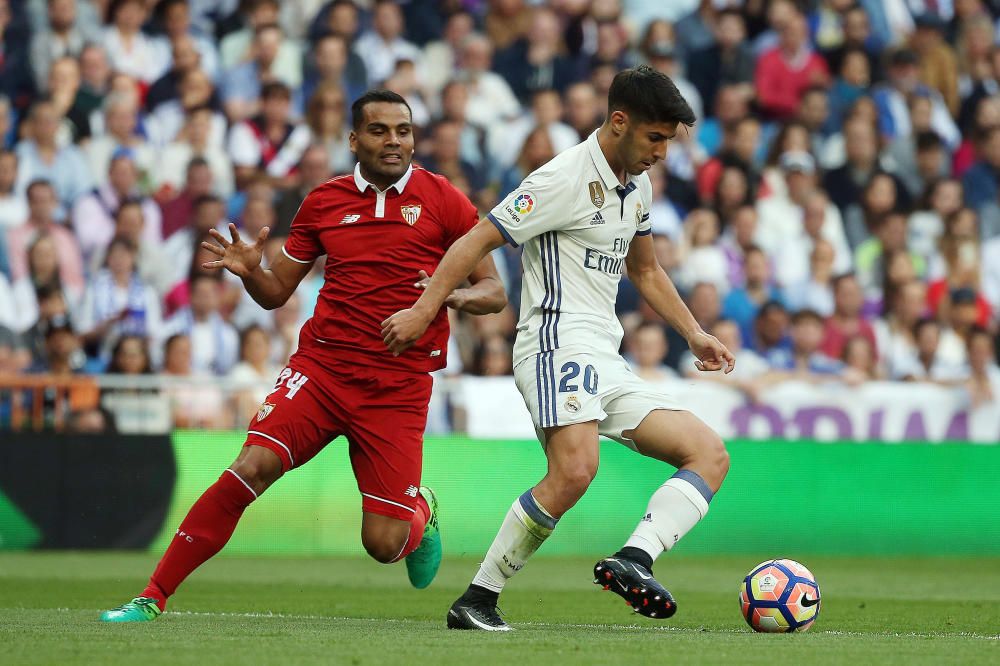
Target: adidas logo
{"x":648,"y":518}
{"x":411,"y":491}
{"x":597,"y":219}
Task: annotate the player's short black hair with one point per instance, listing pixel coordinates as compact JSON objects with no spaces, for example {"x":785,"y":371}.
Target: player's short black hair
{"x":374,"y":97}
{"x":647,"y":95}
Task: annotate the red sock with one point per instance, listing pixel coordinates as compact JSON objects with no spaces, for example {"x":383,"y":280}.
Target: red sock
{"x":205,"y":530}
{"x":417,"y":524}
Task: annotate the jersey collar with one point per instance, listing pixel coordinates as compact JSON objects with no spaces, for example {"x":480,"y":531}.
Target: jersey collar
{"x":611,"y":181}
{"x":363,"y":184}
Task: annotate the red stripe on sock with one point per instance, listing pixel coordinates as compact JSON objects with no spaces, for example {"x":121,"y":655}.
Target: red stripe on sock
{"x":205,"y":530}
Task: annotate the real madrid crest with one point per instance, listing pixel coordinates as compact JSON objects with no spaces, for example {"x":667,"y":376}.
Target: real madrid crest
{"x":265,"y":410}
{"x":410,"y":214}
{"x":638,"y":215}
{"x":572,"y":404}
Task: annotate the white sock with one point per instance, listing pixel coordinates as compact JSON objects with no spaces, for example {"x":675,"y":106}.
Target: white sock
{"x":673,"y":510}
{"x":525,"y":527}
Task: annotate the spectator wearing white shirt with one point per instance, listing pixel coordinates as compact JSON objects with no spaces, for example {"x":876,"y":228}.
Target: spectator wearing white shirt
{"x":490,"y":98}
{"x":984,"y":375}
{"x":803,"y":215}
{"x":896,"y":332}
{"x":238,"y":47}
{"x":94,"y":214}
{"x":647,"y":351}
{"x":816,"y":291}
{"x":41,"y":158}
{"x":505,"y":139}
{"x":440,"y":58}
{"x":700,"y":257}
{"x":383,"y":45}
{"x":268,"y":143}
{"x":214,"y":342}
{"x":927,"y":364}
{"x":121,"y":122}
{"x":254,"y":375}
{"x":194,"y":141}
{"x":129,"y":50}
{"x":118,"y":302}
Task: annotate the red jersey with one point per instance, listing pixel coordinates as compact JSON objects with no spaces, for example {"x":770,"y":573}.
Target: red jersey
{"x":375,"y":244}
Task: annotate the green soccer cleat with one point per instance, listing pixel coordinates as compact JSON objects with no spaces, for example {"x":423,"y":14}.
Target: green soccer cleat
{"x":423,"y":563}
{"x":140,"y":609}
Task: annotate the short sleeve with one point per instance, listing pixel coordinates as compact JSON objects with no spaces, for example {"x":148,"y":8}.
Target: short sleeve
{"x":643,"y":227}
{"x":460,"y":216}
{"x":303,"y":245}
{"x":540,"y":204}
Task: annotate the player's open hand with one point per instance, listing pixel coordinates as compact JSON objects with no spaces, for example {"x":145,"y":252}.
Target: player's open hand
{"x":237,"y":257}
{"x":710,"y":354}
{"x":402,"y":329}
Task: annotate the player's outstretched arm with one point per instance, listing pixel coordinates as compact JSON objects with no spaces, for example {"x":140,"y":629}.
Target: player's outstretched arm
{"x":463,"y":258}
{"x":656,"y":287}
{"x":269,"y":287}
{"x":485,"y":295}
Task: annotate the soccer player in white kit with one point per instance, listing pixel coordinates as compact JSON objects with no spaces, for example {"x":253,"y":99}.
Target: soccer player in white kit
{"x":583,"y":219}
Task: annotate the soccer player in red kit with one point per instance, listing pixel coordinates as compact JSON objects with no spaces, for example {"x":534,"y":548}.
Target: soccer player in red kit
{"x":380,"y":228}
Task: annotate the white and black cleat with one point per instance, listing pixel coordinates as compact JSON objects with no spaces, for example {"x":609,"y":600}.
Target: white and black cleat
{"x":481,"y":616}
{"x":635,"y":584}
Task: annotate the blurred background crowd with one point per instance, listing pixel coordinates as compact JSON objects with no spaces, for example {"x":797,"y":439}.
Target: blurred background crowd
{"x":832,"y":217}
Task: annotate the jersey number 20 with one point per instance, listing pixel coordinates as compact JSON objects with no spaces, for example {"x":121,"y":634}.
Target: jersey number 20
{"x":571,"y":370}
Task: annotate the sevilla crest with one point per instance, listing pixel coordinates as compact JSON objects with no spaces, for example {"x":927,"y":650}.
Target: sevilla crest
{"x":410,"y":214}
{"x":265,"y":410}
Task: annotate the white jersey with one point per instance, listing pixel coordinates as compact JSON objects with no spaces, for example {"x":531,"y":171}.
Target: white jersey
{"x":576,"y":222}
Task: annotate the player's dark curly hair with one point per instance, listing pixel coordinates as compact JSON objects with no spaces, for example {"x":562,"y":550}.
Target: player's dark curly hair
{"x":373,"y":97}
{"x":649,"y":96}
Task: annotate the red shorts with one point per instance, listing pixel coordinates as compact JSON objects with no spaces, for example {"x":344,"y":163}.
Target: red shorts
{"x":381,"y":412}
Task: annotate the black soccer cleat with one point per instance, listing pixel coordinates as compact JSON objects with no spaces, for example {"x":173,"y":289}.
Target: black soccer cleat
{"x":635,"y":584}
{"x":470,"y":613}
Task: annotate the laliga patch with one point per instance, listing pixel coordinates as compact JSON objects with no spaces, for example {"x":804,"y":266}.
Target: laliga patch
{"x":519,"y":206}
{"x":265,"y":411}
{"x":638,"y":215}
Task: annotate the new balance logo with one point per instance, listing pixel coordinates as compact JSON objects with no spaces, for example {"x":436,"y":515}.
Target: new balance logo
{"x":350,"y":219}
{"x":411,"y":491}
{"x":597,"y":219}
{"x":648,"y":518}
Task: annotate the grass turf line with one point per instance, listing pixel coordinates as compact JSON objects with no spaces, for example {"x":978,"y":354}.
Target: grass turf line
{"x":353,"y":611}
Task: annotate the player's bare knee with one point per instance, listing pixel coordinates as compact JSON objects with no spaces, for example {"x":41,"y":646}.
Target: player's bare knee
{"x":382,"y":547}
{"x":716,"y":461}
{"x":257,"y":467}
{"x":575,"y":479}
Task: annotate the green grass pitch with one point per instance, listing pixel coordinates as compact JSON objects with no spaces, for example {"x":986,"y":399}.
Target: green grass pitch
{"x":352,"y":611}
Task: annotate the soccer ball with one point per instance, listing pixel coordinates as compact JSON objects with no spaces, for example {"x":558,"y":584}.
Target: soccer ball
{"x":779,"y":596}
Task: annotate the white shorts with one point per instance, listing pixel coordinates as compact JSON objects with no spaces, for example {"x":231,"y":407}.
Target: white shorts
{"x":568,"y":386}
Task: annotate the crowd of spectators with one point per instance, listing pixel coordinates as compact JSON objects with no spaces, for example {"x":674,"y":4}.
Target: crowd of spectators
{"x":832,"y":216}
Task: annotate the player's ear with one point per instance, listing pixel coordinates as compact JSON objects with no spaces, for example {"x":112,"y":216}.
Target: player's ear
{"x":352,"y":141}
{"x":619,"y":122}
